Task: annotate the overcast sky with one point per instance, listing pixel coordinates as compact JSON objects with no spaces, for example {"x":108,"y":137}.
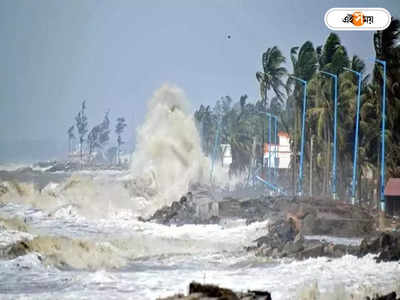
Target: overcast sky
{"x":114,"y":54}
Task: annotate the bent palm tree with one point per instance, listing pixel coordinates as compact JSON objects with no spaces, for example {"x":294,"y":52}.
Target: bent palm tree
{"x":272,"y":75}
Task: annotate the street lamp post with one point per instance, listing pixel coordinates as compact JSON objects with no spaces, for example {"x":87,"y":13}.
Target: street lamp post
{"x":334,"y":76}
{"x":382,"y":194}
{"x":300,"y":180}
{"x":269,"y":118}
{"x":354,"y":181}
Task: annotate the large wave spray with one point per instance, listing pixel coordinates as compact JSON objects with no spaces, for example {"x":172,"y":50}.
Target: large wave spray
{"x":168,"y":155}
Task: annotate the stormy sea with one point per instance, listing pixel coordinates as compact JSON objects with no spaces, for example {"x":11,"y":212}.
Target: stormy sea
{"x":85,"y":234}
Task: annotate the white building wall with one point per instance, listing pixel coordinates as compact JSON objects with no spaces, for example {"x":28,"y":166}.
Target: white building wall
{"x":282,"y":152}
{"x":227,"y":155}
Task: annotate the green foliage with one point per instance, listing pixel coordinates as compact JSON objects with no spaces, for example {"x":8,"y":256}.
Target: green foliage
{"x":240,"y":123}
{"x":272,"y":75}
{"x":387,"y":48}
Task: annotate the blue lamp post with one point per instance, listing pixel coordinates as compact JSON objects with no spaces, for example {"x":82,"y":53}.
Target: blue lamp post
{"x":300,"y":180}
{"x":354,"y":181}
{"x":334,"y":76}
{"x":383,"y":63}
{"x":270,"y":118}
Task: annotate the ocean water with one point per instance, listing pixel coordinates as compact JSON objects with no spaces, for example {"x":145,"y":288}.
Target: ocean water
{"x":121,"y":257}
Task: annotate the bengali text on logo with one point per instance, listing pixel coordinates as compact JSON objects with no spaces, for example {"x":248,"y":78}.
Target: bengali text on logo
{"x":357,"y":19}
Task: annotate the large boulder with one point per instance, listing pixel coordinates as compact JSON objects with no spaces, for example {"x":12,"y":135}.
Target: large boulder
{"x":318,"y":216}
{"x":385,"y":244}
{"x":199,"y":291}
{"x":279,"y":234}
{"x":313,"y":251}
{"x":390,"y":296}
{"x":285,"y":240}
{"x":178,"y":213}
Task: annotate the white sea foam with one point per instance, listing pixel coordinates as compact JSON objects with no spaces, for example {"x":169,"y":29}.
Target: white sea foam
{"x":168,"y":154}
{"x":167,"y":258}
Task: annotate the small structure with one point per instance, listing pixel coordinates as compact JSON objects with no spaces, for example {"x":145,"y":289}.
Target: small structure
{"x":280,"y":152}
{"x":226,"y":155}
{"x":392,"y":196}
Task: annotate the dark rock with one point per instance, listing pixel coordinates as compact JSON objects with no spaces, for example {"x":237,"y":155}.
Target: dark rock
{"x":279,"y":233}
{"x":14,"y":250}
{"x":318,"y":216}
{"x":315,"y":251}
{"x":178,"y":213}
{"x":390,"y":296}
{"x":209,"y":290}
{"x":295,"y":246}
{"x":385,"y":244}
{"x":199,"y":291}
{"x":340,"y":250}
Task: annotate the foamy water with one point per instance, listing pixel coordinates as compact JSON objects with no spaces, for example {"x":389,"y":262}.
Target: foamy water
{"x":145,"y":261}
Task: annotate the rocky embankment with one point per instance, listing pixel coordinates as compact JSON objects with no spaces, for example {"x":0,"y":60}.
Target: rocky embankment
{"x":284,"y":239}
{"x":293,"y":224}
{"x":312,"y":216}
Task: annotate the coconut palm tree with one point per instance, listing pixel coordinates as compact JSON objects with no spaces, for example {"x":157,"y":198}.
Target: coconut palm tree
{"x":331,"y":57}
{"x":271,"y":78}
{"x":387,"y":48}
{"x":272,"y":75}
{"x":304,"y":63}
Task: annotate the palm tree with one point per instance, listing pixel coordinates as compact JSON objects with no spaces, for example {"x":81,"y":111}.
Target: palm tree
{"x":331,"y":57}
{"x":271,"y":78}
{"x":387,"y":48}
{"x":304,"y":63}
{"x":320,"y":116}
{"x":272,"y":75}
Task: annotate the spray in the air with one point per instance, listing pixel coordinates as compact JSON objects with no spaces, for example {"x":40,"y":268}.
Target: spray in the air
{"x":168,"y":154}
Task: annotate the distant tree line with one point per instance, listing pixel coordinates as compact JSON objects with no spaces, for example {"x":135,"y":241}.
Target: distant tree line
{"x":97,"y":138}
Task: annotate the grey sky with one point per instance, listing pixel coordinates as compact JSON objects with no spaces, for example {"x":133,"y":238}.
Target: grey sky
{"x":114,"y":54}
